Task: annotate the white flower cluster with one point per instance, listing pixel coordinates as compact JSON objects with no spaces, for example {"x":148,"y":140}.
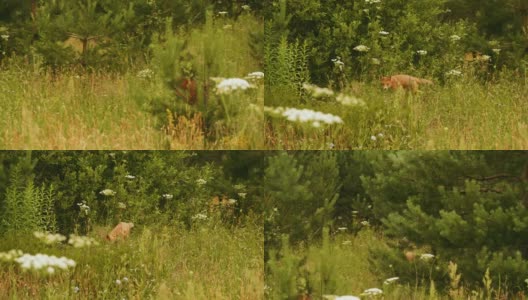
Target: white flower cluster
{"x":362,"y":48}
{"x":391,"y":280}
{"x":230,"y":85}
{"x":10,"y":255}
{"x":5,"y":37}
{"x":107,"y":192}
{"x":242,"y":195}
{"x":426,"y":256}
{"x":199,"y":217}
{"x":453,"y":73}
{"x":383,"y":32}
{"x":201,"y":181}
{"x":349,"y":100}
{"x":40,"y":262}
{"x":167,"y":196}
{"x":317,"y":92}
{"x":421,"y":52}
{"x":484,"y":58}
{"x":455,"y":38}
{"x":130,"y":176}
{"x":372,"y":292}
{"x":49,"y":238}
{"x":84,"y":208}
{"x":246,"y":7}
{"x":145,"y":74}
{"x":375,"y":61}
{"x":496,"y":50}
{"x":338,"y":63}
{"x":304,"y":116}
{"x":255,"y":75}
{"x":121,"y":205}
{"x":372,"y":1}
{"x":81,"y":241}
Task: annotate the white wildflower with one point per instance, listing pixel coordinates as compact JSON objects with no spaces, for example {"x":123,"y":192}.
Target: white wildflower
{"x":349,"y":100}
{"x":130,"y":177}
{"x":365,"y":223}
{"x":342,"y":228}
{"x":107,"y":192}
{"x":373,"y":137}
{"x":167,"y":196}
{"x":199,"y":217}
{"x":201,"y":181}
{"x":421,"y":52}
{"x":229,"y":85}
{"x":375,"y":61}
{"x":242,"y":195}
{"x":118,"y":282}
{"x":484,"y":58}
{"x":383,"y":32}
{"x":455,"y":37}
{"x":426,"y":256}
{"x":391,"y":280}
{"x":372,"y":1}
{"x":84,"y":208}
{"x":222,"y":13}
{"x":81,"y":241}
{"x":121,"y":205}
{"x":42,"y":261}
{"x":338,"y":63}
{"x":145,"y":74}
{"x":10,"y":255}
{"x":453,"y":73}
{"x":246,"y":7}
{"x":255,"y":75}
{"x":49,"y":238}
{"x":309,"y":116}
{"x":496,"y":50}
{"x":231,"y":201}
{"x":317,"y":92}
{"x":372,"y":292}
{"x":361,"y":48}
{"x":5,"y":37}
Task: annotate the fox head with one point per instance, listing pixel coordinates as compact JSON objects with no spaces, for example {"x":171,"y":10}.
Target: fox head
{"x":386,"y":82}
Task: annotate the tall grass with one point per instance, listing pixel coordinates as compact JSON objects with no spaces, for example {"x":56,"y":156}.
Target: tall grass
{"x":155,"y":263}
{"x":460,"y":114}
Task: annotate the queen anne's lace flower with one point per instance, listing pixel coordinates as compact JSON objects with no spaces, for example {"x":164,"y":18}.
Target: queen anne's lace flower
{"x":229,"y":85}
{"x":40,"y":262}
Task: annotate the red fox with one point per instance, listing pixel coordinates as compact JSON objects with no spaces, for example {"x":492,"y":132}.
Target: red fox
{"x":407,"y":82}
{"x":121,"y":231}
{"x":187,"y":90}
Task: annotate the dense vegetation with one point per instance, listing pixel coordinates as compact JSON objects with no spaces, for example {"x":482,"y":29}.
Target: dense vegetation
{"x":183,"y":245}
{"x":342,"y":222}
{"x":475,"y":52}
{"x":73,"y":71}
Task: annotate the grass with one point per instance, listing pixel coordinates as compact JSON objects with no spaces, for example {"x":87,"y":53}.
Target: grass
{"x":159,"y":263}
{"x":341,"y":266}
{"x":461,"y":114}
{"x":82,"y":111}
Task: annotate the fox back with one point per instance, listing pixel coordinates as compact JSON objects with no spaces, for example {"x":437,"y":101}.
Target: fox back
{"x":407,"y":82}
{"x":121,"y":231}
